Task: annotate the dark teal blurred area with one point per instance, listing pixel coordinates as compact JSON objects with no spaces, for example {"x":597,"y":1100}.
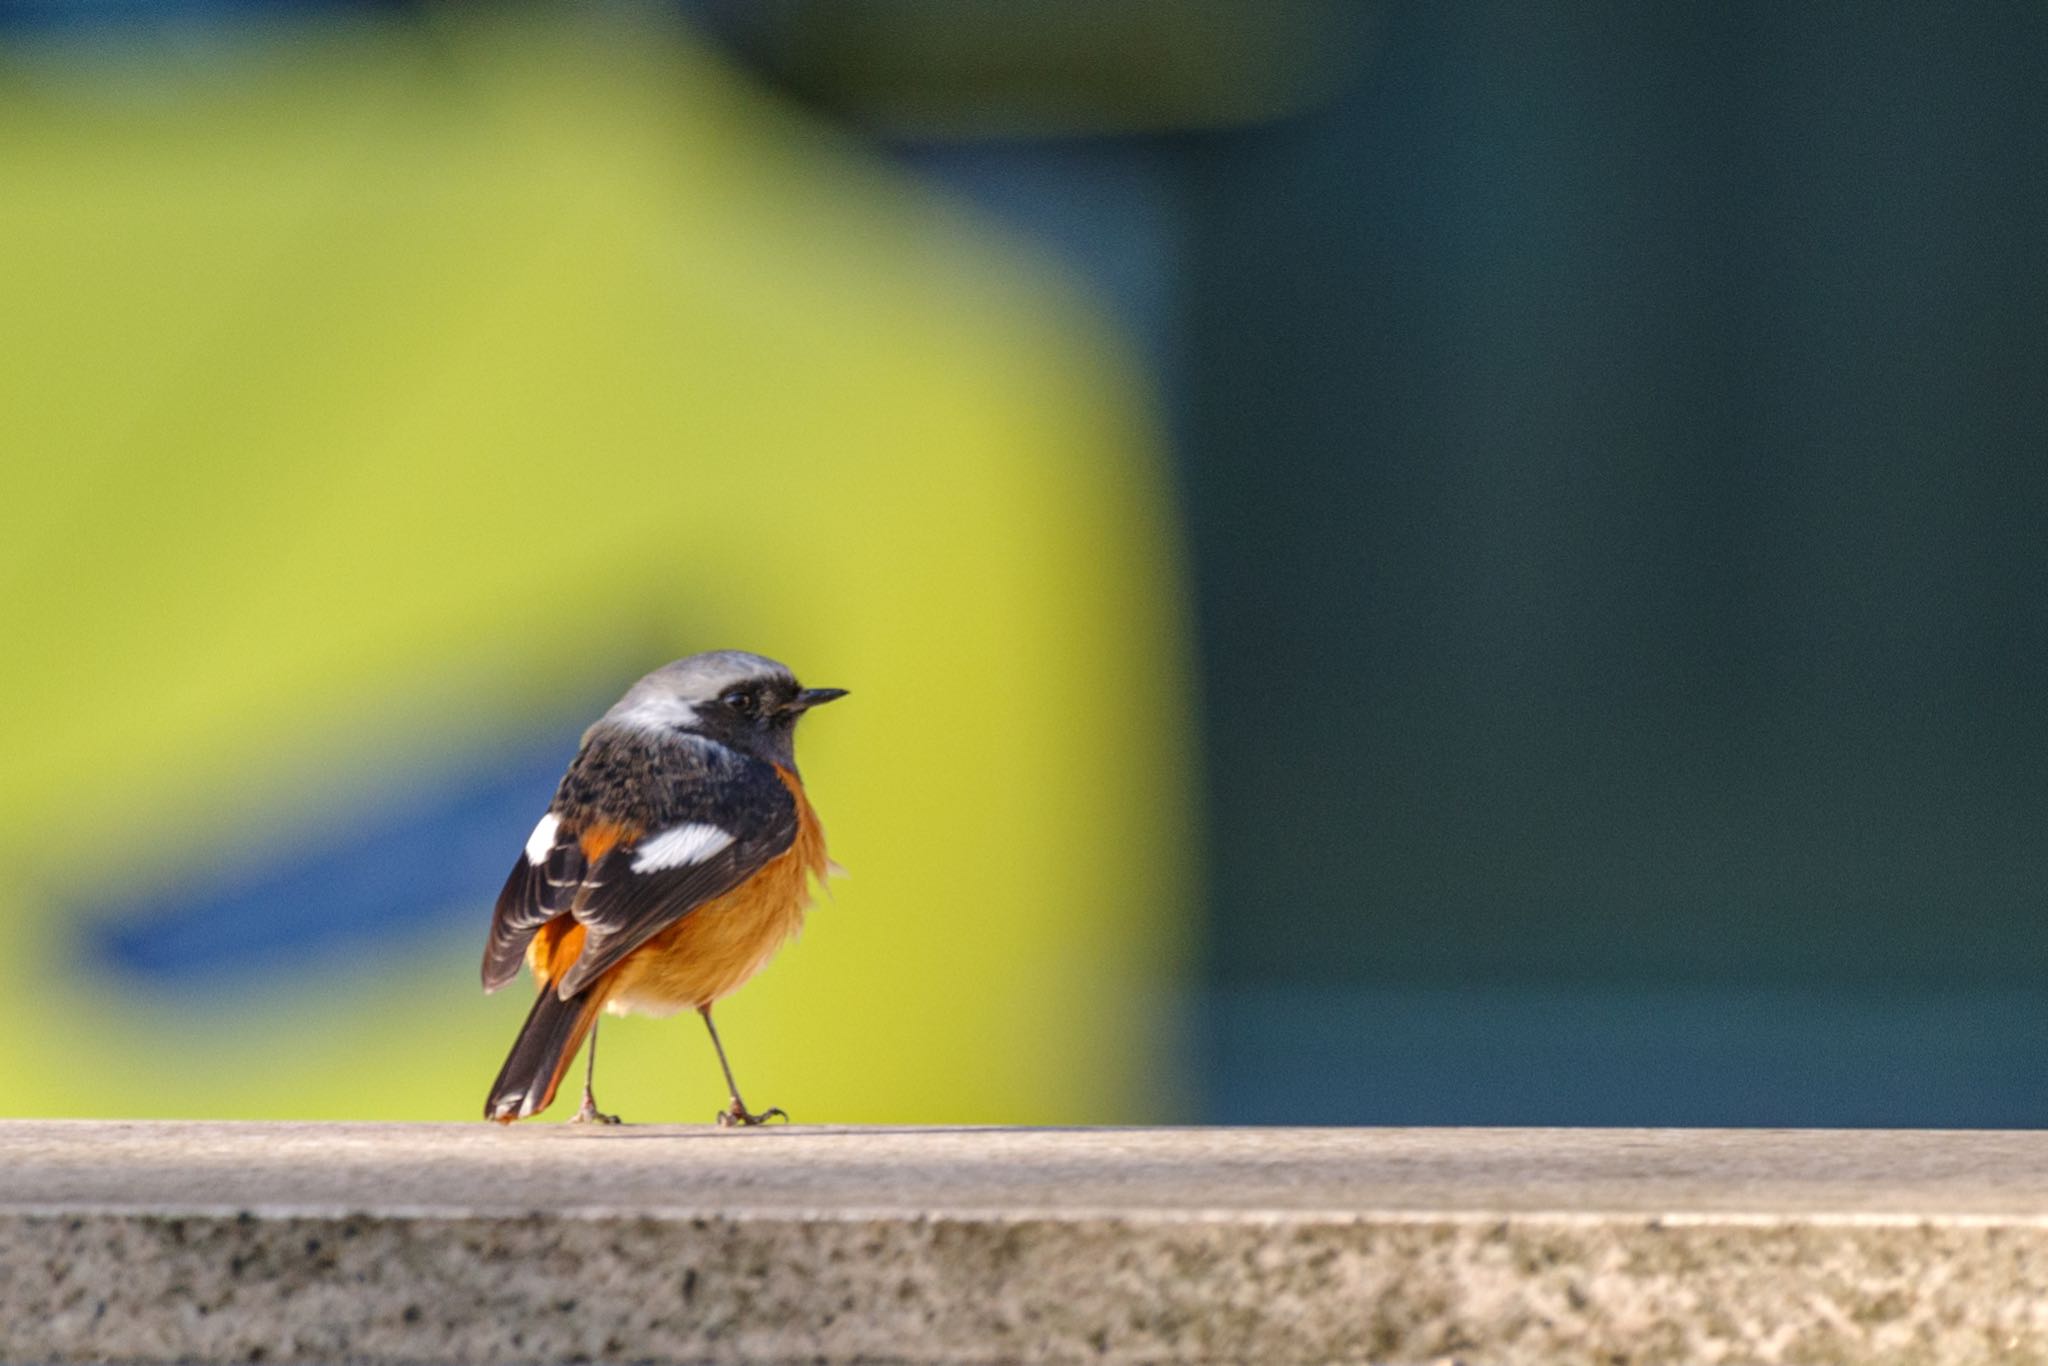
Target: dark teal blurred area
{"x":1615,"y":465}
{"x":1610,"y":442}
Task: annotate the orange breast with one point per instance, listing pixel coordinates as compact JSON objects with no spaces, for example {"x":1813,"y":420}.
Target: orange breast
{"x":712,"y":951}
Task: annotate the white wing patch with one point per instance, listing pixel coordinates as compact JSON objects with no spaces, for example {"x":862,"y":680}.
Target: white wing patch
{"x":542,"y":839}
{"x":683,"y":844}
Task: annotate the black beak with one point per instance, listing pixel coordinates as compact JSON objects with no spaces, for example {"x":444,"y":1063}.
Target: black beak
{"x":815,"y":697}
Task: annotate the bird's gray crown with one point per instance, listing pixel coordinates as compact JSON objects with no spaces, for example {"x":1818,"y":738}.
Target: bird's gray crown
{"x":668,"y":699}
{"x":742,"y":701}
{"x":699,"y":678}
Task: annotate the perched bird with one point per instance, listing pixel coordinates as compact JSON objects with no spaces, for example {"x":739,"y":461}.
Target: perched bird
{"x":677,"y":856}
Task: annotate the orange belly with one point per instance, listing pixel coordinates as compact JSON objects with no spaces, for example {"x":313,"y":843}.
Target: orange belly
{"x":712,"y":951}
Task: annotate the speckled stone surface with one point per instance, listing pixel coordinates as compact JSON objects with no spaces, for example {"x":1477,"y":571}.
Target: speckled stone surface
{"x":417,"y":1243}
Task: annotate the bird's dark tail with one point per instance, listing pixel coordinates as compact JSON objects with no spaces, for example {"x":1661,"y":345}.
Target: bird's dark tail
{"x":553,"y":1031}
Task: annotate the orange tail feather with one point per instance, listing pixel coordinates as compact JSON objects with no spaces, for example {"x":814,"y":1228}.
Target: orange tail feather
{"x":553,"y":1031}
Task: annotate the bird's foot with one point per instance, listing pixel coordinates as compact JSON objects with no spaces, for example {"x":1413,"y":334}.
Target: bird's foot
{"x":737,"y":1116}
{"x":588,"y":1113}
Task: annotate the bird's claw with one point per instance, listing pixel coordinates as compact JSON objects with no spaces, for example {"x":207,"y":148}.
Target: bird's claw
{"x":588,"y":1113}
{"x":736,"y":1116}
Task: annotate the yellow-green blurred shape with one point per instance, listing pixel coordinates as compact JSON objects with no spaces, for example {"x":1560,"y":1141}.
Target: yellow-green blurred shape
{"x":367,"y":395}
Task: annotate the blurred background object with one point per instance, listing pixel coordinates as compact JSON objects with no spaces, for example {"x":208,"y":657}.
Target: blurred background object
{"x":1484,"y":562}
{"x":385,"y":394}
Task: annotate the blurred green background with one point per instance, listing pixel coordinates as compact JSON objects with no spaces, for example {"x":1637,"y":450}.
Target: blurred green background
{"x":1397,"y":563}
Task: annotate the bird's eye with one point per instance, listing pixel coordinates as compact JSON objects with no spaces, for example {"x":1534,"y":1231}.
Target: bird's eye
{"x":740,"y":700}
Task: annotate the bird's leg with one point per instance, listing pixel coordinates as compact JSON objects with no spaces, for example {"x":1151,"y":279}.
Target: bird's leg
{"x":736,"y":1113}
{"x":588,"y":1113}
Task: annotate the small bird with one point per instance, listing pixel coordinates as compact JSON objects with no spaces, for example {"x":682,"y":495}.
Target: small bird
{"x":677,"y":856}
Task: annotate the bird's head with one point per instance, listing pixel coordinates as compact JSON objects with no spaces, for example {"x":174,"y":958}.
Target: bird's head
{"x":746,"y":701}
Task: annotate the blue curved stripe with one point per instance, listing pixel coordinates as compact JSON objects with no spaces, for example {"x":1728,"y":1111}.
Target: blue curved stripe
{"x":417,"y":861}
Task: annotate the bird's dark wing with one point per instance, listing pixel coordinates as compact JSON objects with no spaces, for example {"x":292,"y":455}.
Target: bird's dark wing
{"x":543,"y":884}
{"x":720,"y":816}
{"x":643,"y":830}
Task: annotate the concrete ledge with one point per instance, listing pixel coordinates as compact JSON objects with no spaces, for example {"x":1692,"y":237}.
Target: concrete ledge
{"x":287,"y":1243}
